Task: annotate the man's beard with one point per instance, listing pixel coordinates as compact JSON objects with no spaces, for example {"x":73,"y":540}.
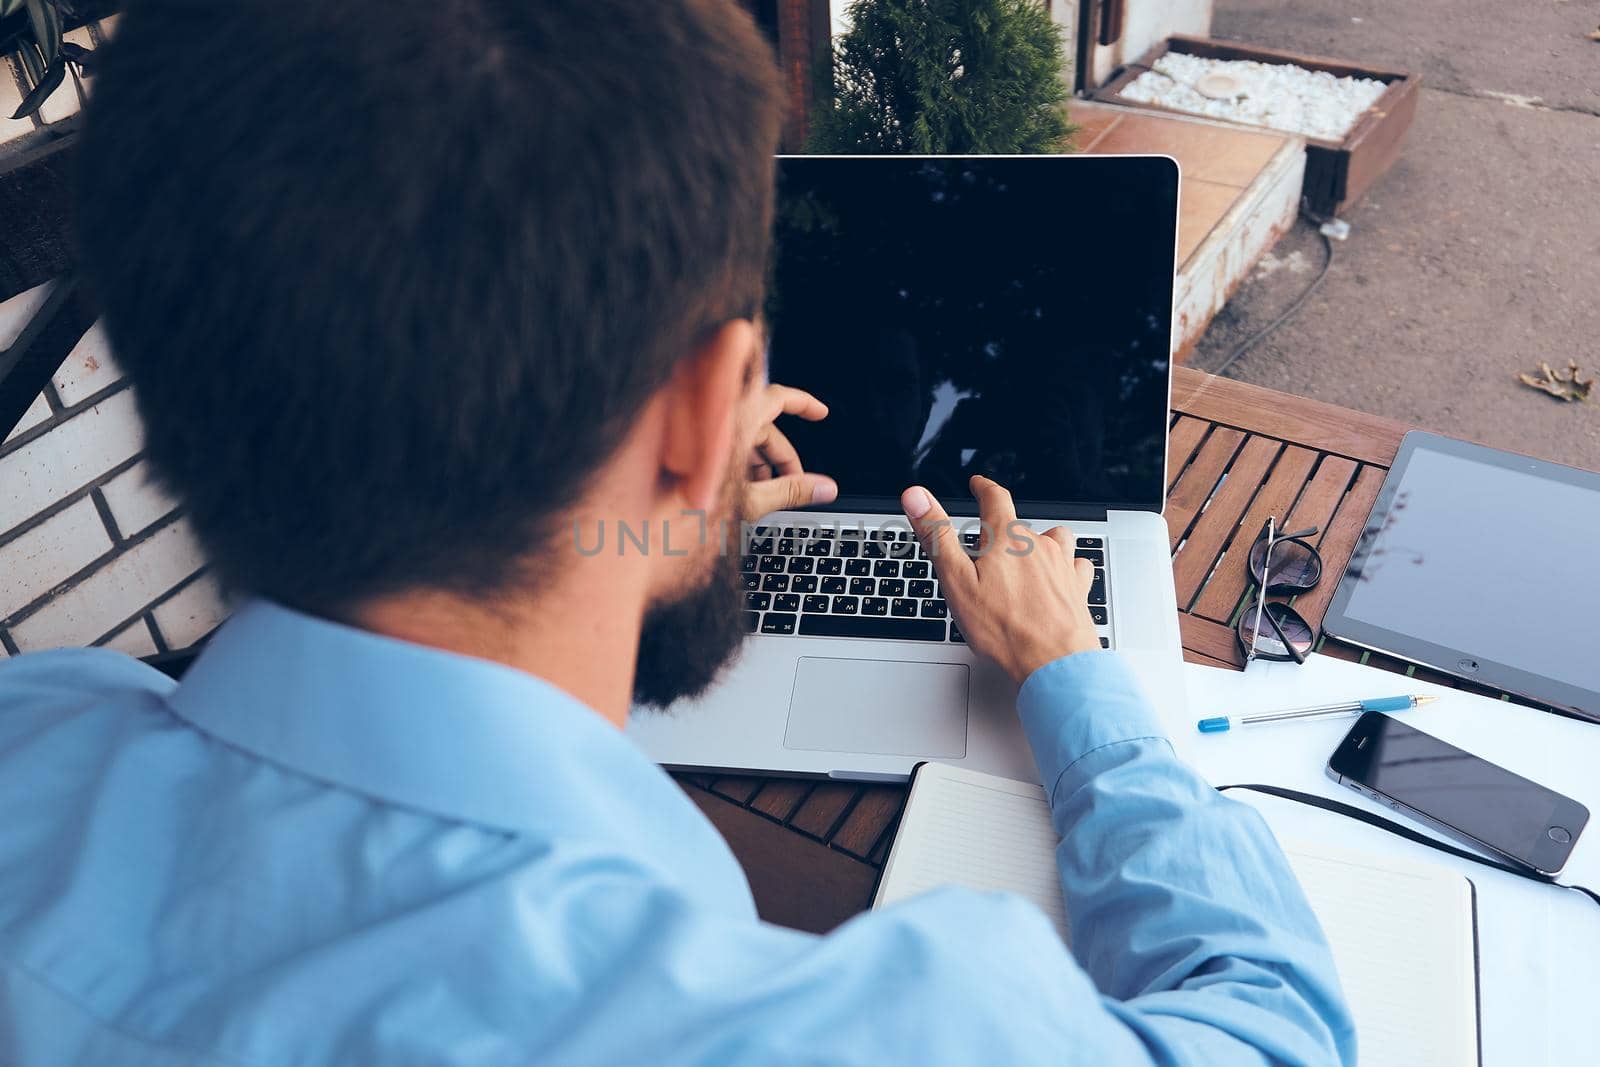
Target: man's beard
{"x":685,"y":643}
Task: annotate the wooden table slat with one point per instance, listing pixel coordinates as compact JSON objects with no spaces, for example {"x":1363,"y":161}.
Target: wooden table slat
{"x":1324,"y":427}
{"x":819,"y":814}
{"x":1339,"y":540}
{"x":1216,"y":525}
{"x":1230,"y":576}
{"x":874,"y":812}
{"x":1321,"y":495}
{"x":1195,"y":486}
{"x":739,"y":790}
{"x":779,"y":798}
{"x":1184,"y":437}
{"x":1211,"y":639}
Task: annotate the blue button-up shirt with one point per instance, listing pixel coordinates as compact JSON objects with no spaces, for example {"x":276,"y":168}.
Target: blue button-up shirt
{"x":328,"y":847}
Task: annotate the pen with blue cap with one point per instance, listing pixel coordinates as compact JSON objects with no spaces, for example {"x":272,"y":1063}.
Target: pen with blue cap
{"x":1346,"y":707}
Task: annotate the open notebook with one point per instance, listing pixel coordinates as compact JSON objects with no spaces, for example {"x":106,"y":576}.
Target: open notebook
{"x":1404,"y":934}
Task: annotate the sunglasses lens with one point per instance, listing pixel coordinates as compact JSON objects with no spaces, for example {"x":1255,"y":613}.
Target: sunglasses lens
{"x":1294,"y":566}
{"x":1296,"y":629}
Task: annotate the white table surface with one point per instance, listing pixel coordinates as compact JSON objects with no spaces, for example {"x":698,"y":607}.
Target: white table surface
{"x":1539,"y":946}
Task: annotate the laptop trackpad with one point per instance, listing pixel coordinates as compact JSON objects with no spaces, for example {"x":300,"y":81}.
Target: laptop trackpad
{"x":885,"y":708}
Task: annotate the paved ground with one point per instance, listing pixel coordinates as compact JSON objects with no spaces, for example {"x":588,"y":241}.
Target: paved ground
{"x":1476,"y":256}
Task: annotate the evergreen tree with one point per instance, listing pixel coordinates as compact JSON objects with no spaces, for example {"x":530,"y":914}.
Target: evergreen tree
{"x":945,"y":76}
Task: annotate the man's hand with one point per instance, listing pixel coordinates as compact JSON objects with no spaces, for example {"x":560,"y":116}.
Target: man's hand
{"x":777,"y":480}
{"x":1024,"y":601}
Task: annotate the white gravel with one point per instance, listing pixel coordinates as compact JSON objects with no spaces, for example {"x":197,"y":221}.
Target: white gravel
{"x":1280,"y":96}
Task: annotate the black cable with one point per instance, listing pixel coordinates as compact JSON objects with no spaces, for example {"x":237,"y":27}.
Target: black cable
{"x":1249,"y":342}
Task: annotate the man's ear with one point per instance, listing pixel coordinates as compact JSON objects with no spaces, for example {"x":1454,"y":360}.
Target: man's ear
{"x":702,"y":412}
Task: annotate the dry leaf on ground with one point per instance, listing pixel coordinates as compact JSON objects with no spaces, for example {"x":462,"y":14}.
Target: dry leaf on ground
{"x":1569,"y":384}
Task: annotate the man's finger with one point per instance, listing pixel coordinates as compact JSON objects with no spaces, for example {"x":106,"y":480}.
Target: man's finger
{"x":994,"y":504}
{"x":1085,"y":569}
{"x":790,"y":491}
{"x":787,"y":400}
{"x":776,"y":449}
{"x":939,"y":538}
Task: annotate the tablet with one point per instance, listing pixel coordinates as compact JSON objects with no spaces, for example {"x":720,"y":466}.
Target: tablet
{"x":1482,"y":564}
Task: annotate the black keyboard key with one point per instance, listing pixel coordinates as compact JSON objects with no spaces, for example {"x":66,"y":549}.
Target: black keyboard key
{"x":894,"y":629}
{"x":775,"y":583}
{"x":816,"y":603}
{"x":1105,"y":642}
{"x":1098,"y":614}
{"x":771,"y":564}
{"x":874,"y":550}
{"x":921,"y":589}
{"x":752,"y":582}
{"x":786,"y":602}
{"x":1093,"y":555}
{"x":1090,"y":542}
{"x":799,"y":531}
{"x":863,"y":587}
{"x":801,"y":564}
{"x":786,"y":546}
{"x":819,"y":548}
{"x":914,"y":568}
{"x":905,"y":608}
{"x":761,"y":546}
{"x":857,"y":568}
{"x":831,"y":565}
{"x":752,"y":620}
{"x":1097,"y":591}
{"x":891,"y":587}
{"x":747,"y":564}
{"x":934,"y":609}
{"x":845,"y":605}
{"x":955,"y":633}
{"x":757,"y":601}
{"x":774,"y":623}
{"x":847,"y":548}
{"x":802,"y":583}
{"x":970,"y":538}
{"x":886,"y":568}
{"x":874,"y":605}
{"x":833,"y":585}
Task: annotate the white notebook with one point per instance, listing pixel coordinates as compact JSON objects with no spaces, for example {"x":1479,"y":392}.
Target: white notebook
{"x":1404,"y":935}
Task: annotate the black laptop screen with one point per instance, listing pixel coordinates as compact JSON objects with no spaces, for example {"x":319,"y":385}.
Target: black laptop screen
{"x":998,"y":316}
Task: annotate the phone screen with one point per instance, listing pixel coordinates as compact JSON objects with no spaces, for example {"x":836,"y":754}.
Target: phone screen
{"x":1512,"y":815}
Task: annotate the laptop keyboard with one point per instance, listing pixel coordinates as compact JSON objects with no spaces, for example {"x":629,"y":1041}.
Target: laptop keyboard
{"x":821,"y":581}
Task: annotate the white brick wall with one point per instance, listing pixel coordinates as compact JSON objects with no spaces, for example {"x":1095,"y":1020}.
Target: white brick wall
{"x":191,"y":613}
{"x":47,"y":555}
{"x":19,"y":310}
{"x":135,"y":505}
{"x":116,"y":593}
{"x":37,"y":412}
{"x":87,"y":370}
{"x":135,"y":640}
{"x":89,"y":552}
{"x":71,"y":455}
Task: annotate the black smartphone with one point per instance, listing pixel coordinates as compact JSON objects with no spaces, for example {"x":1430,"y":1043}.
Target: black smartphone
{"x":1462,"y":795}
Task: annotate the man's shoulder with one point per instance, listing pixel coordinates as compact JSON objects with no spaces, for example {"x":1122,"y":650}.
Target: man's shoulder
{"x":38,"y":688}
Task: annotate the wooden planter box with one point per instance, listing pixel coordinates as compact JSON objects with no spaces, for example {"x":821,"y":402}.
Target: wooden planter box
{"x":1337,"y":172}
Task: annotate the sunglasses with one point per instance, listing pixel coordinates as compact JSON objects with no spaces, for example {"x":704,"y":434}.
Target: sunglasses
{"x":1279,"y":563}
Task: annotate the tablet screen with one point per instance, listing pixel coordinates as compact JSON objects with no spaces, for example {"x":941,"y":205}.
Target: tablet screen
{"x":1491,"y":555}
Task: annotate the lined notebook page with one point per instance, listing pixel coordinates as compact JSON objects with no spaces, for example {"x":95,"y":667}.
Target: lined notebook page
{"x":976,"y":830}
{"x":1401,"y":932}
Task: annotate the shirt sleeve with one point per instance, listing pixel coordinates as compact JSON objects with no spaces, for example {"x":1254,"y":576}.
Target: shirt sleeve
{"x":1182,"y":907}
{"x":1192,"y":943}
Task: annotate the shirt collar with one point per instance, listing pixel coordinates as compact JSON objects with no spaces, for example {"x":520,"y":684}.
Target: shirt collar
{"x":454,"y":736}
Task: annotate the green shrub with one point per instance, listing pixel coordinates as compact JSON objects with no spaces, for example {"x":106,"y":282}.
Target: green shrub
{"x":945,"y":76}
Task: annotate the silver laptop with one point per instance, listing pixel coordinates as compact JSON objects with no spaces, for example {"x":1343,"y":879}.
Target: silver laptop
{"x":1006,"y":316}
